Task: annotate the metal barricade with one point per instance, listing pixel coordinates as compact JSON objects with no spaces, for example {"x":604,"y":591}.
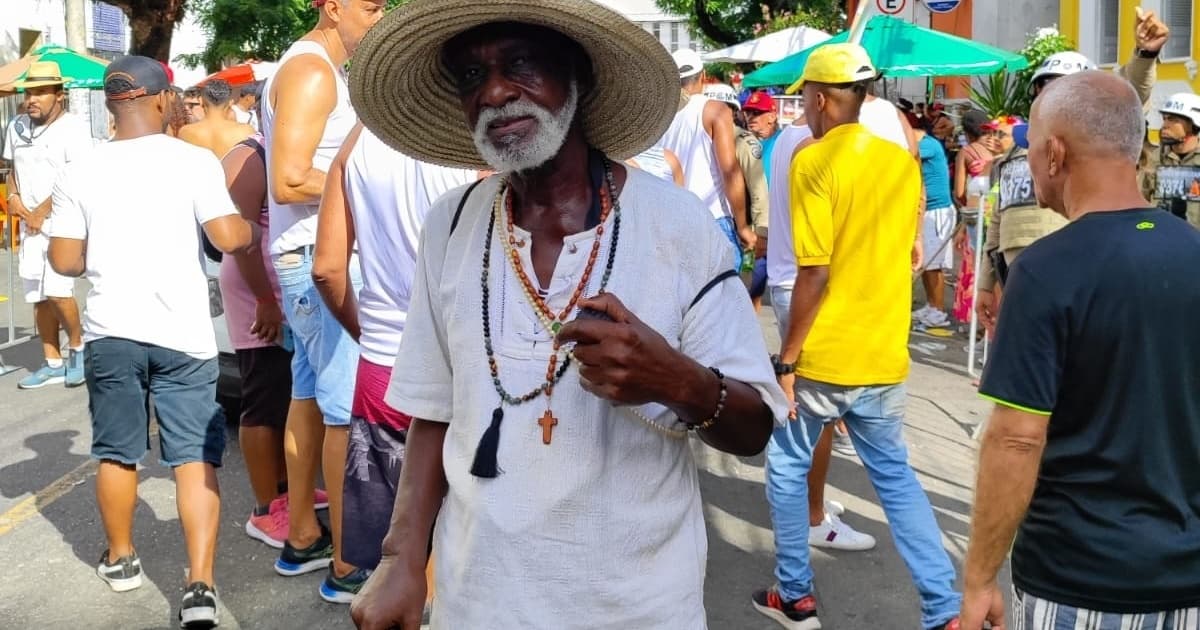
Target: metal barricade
{"x":8,"y":291}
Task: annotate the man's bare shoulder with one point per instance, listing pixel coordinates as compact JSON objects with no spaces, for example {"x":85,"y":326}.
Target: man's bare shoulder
{"x":193,"y":133}
{"x":303,"y":70}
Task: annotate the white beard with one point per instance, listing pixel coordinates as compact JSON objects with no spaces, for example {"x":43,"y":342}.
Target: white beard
{"x":514,"y":153}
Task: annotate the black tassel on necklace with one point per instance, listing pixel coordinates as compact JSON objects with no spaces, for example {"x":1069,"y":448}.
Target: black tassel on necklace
{"x":484,"y":465}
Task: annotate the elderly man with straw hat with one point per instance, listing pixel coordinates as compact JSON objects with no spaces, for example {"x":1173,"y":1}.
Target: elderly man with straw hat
{"x":39,"y":144}
{"x":553,"y":385}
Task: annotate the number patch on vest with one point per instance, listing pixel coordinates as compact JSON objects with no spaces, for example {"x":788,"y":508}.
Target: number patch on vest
{"x":1016,"y":184}
{"x":1179,"y":183}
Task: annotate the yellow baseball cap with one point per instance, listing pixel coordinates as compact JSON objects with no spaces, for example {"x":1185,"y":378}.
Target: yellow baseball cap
{"x":836,"y":63}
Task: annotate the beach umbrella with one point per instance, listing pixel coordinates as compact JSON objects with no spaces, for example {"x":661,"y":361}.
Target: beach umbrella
{"x":769,"y":48}
{"x":902,"y":49}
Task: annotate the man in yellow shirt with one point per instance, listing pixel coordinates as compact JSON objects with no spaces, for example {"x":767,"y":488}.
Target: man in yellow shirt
{"x":855,"y":203}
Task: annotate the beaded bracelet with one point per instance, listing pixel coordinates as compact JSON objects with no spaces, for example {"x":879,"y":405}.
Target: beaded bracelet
{"x":707,"y":424}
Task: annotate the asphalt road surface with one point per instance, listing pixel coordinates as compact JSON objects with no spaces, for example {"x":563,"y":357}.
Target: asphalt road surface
{"x":51,"y":538}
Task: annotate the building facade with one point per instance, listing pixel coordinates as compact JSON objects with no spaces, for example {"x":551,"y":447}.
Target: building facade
{"x":1103,"y":30}
{"x":671,"y":30}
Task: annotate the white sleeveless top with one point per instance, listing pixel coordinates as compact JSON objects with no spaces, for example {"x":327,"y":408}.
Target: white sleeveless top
{"x":883,"y":119}
{"x":389,"y":195}
{"x":295,"y":225}
{"x":781,"y":250}
{"x":691,"y":143}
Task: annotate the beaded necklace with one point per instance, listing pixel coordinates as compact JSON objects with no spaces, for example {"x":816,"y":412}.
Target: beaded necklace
{"x":485,"y":464}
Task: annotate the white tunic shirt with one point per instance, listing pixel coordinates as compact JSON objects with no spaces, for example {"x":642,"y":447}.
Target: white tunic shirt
{"x":603,"y":527}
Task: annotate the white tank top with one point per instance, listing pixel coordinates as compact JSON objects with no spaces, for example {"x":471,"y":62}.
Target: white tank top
{"x":883,"y":119}
{"x":389,"y":194}
{"x":295,"y":225}
{"x":692,"y":145}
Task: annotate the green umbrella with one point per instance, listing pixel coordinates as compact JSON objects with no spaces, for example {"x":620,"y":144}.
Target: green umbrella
{"x":901,"y":49}
{"x":84,"y":71}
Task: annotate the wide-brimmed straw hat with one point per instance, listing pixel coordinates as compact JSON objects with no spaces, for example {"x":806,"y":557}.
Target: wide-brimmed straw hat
{"x":404,"y":94}
{"x":41,"y":74}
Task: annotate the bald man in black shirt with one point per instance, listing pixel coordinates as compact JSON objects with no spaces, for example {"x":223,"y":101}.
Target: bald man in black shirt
{"x":1091,"y":458}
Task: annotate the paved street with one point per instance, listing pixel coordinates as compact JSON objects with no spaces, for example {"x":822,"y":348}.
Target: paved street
{"x":50,"y":535}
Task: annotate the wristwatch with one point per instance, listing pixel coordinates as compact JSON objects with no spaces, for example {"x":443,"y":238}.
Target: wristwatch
{"x":1147,"y":54}
{"x":781,"y":368}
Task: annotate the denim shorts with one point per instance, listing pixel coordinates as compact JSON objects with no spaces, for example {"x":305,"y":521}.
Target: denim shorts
{"x":123,"y":375}
{"x":325,"y":357}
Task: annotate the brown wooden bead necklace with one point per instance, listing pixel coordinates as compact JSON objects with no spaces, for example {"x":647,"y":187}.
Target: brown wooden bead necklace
{"x":485,"y":464}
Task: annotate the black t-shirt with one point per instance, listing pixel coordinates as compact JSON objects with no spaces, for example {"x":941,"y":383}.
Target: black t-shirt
{"x":1100,"y":330}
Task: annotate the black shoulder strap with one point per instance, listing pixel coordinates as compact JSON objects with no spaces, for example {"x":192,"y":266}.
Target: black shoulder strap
{"x":721,"y":277}
{"x":253,"y":143}
{"x":462,"y":203}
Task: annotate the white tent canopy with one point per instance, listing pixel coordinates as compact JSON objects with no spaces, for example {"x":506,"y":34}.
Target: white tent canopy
{"x":770,"y":48}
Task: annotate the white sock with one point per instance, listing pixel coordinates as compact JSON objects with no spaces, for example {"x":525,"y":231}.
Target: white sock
{"x":79,"y":349}
{"x":54,"y":363}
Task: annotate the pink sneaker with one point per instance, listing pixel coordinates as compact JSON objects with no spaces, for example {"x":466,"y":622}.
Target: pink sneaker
{"x":320,"y":500}
{"x":270,"y":528}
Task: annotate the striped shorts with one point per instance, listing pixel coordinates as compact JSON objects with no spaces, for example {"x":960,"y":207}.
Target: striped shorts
{"x":1032,"y":613}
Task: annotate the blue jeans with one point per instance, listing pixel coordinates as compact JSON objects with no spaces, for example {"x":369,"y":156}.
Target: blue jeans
{"x":325,"y":360}
{"x":730,"y":229}
{"x":875,"y":418}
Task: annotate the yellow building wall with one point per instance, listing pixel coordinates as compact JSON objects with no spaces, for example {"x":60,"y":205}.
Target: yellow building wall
{"x":1167,"y":71}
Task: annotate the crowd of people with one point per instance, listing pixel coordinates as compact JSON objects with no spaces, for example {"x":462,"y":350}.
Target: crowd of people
{"x":475,"y":282}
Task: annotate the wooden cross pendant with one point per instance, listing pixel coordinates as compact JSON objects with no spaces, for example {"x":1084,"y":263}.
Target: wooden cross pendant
{"x":547,"y":422}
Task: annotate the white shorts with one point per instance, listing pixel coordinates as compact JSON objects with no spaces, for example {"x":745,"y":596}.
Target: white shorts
{"x":50,"y":285}
{"x":936,"y":233}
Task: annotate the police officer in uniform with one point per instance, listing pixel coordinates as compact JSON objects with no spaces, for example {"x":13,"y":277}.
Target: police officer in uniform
{"x":1016,"y":220}
{"x":1173,"y":175}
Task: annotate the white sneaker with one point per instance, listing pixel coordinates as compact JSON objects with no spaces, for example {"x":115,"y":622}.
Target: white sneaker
{"x":918,"y":316}
{"x":834,"y":534}
{"x":834,"y":507}
{"x":936,"y":319}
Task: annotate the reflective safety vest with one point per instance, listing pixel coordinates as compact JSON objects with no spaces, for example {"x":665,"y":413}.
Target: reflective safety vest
{"x":1173,"y":182}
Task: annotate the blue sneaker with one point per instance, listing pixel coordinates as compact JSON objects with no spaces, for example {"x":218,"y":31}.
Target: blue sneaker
{"x":44,"y":376}
{"x":341,"y":590}
{"x":74,"y":365}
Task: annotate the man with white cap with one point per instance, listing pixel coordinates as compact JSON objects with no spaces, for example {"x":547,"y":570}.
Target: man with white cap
{"x":845,"y":347}
{"x":39,"y":144}
{"x":1173,"y":175}
{"x":551,"y":385}
{"x":702,"y":136}
{"x":752,"y":158}
{"x":1017,"y":220}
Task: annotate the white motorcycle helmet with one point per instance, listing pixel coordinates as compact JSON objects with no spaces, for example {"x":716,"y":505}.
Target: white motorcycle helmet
{"x":1062,"y":64}
{"x":724,"y":93}
{"x":1185,"y":105}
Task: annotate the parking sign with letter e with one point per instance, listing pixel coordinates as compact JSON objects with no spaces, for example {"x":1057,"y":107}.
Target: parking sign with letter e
{"x":891,"y":7}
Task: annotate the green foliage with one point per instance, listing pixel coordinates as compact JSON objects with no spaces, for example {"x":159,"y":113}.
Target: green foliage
{"x":1011,"y":93}
{"x":727,"y":22}
{"x":261,"y":30}
{"x":827,"y":17}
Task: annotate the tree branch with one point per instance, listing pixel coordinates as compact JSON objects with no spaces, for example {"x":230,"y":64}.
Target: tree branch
{"x":708,"y":26}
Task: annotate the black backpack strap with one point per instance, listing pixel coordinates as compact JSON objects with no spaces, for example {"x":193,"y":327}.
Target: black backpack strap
{"x":721,"y":277}
{"x":462,"y":203}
